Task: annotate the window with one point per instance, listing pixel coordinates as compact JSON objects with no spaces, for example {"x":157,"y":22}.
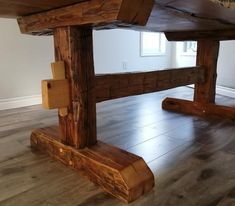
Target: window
{"x":189,"y":48}
{"x":153,"y":44}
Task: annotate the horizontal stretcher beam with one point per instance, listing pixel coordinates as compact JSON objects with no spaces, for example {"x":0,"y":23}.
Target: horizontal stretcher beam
{"x":112,"y":86}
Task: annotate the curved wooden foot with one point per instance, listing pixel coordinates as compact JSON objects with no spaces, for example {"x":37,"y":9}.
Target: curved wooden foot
{"x":120,"y":173}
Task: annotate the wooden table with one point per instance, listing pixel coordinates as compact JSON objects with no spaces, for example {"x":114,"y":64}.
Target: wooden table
{"x":75,"y":89}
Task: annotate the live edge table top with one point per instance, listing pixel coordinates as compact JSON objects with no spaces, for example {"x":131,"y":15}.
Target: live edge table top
{"x":154,"y":15}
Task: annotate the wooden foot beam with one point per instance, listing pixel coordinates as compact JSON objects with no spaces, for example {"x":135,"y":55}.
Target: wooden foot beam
{"x":120,"y":173}
{"x":112,"y":86}
{"x":204,"y":93}
{"x":198,"y":109}
{"x":73,"y":142}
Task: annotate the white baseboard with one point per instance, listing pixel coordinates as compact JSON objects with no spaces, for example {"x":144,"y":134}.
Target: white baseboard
{"x":20,"y":102}
{"x":37,"y":99}
{"x":224,"y":91}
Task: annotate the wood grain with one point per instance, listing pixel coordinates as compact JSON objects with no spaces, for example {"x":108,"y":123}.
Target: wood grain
{"x":227,"y":4}
{"x":201,"y":152}
{"x":58,"y":72}
{"x":159,"y":16}
{"x":199,"y":109}
{"x":207,"y":55}
{"x":190,"y":15}
{"x":111,"y":86}
{"x":16,"y":8}
{"x":94,"y":12}
{"x":74,"y":46}
{"x":122,"y":174}
{"x":200,"y":35}
{"x":55,"y":93}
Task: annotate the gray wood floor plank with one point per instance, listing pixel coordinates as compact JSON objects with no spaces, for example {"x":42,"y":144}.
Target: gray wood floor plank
{"x":193,"y":159}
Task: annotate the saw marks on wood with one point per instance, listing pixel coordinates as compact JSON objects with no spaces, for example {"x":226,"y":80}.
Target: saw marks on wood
{"x":193,"y":159}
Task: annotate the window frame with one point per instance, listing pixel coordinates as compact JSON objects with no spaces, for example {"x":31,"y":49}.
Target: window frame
{"x":188,"y":53}
{"x":161,"y":37}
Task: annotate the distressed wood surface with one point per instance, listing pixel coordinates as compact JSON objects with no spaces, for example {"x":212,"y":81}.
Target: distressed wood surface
{"x":207,"y":55}
{"x":190,"y":15}
{"x":158,"y":15}
{"x":112,"y":86}
{"x":92,"y":13}
{"x":197,"y":108}
{"x":187,"y":155}
{"x":203,"y":103}
{"x":225,"y":3}
{"x":218,"y":35}
{"x":16,"y":8}
{"x":55,"y":93}
{"x":122,"y":174}
{"x":58,"y":72}
{"x":74,"y":46}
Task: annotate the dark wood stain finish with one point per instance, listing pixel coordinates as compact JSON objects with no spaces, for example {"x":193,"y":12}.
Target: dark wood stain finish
{"x":16,"y":8}
{"x":203,"y":103}
{"x":186,"y":167}
{"x":119,"y":172}
{"x":201,"y":17}
{"x":196,"y":108}
{"x":218,"y":35}
{"x":207,"y":55}
{"x":122,"y":174}
{"x":74,"y":46}
{"x":112,"y":86}
{"x":90,"y":13}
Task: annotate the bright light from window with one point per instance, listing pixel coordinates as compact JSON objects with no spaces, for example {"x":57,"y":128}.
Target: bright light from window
{"x":190,"y":48}
{"x":153,"y":44}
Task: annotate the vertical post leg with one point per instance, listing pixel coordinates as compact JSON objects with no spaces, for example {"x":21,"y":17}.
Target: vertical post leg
{"x":204,"y":94}
{"x":207,"y":56}
{"x":122,"y":174}
{"x":74,"y":46}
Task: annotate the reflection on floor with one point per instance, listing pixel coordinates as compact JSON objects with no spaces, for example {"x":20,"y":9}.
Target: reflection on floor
{"x":193,"y":159}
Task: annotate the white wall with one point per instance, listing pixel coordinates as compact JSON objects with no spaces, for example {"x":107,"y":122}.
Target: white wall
{"x":24,"y":61}
{"x":112,"y":48}
{"x":226,"y":64}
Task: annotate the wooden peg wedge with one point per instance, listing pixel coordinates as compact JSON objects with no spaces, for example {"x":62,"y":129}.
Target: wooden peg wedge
{"x":58,"y":72}
{"x":55,"y":93}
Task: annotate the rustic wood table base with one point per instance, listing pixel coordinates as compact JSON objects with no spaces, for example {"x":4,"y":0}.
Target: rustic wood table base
{"x":204,"y":92}
{"x":75,"y":89}
{"x":120,"y":173}
{"x":74,"y":143}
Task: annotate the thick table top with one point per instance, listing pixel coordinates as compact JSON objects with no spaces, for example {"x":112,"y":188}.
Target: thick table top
{"x":17,"y":8}
{"x":155,"y":15}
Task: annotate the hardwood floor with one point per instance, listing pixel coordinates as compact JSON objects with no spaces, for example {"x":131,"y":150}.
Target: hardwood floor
{"x":193,"y":159}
